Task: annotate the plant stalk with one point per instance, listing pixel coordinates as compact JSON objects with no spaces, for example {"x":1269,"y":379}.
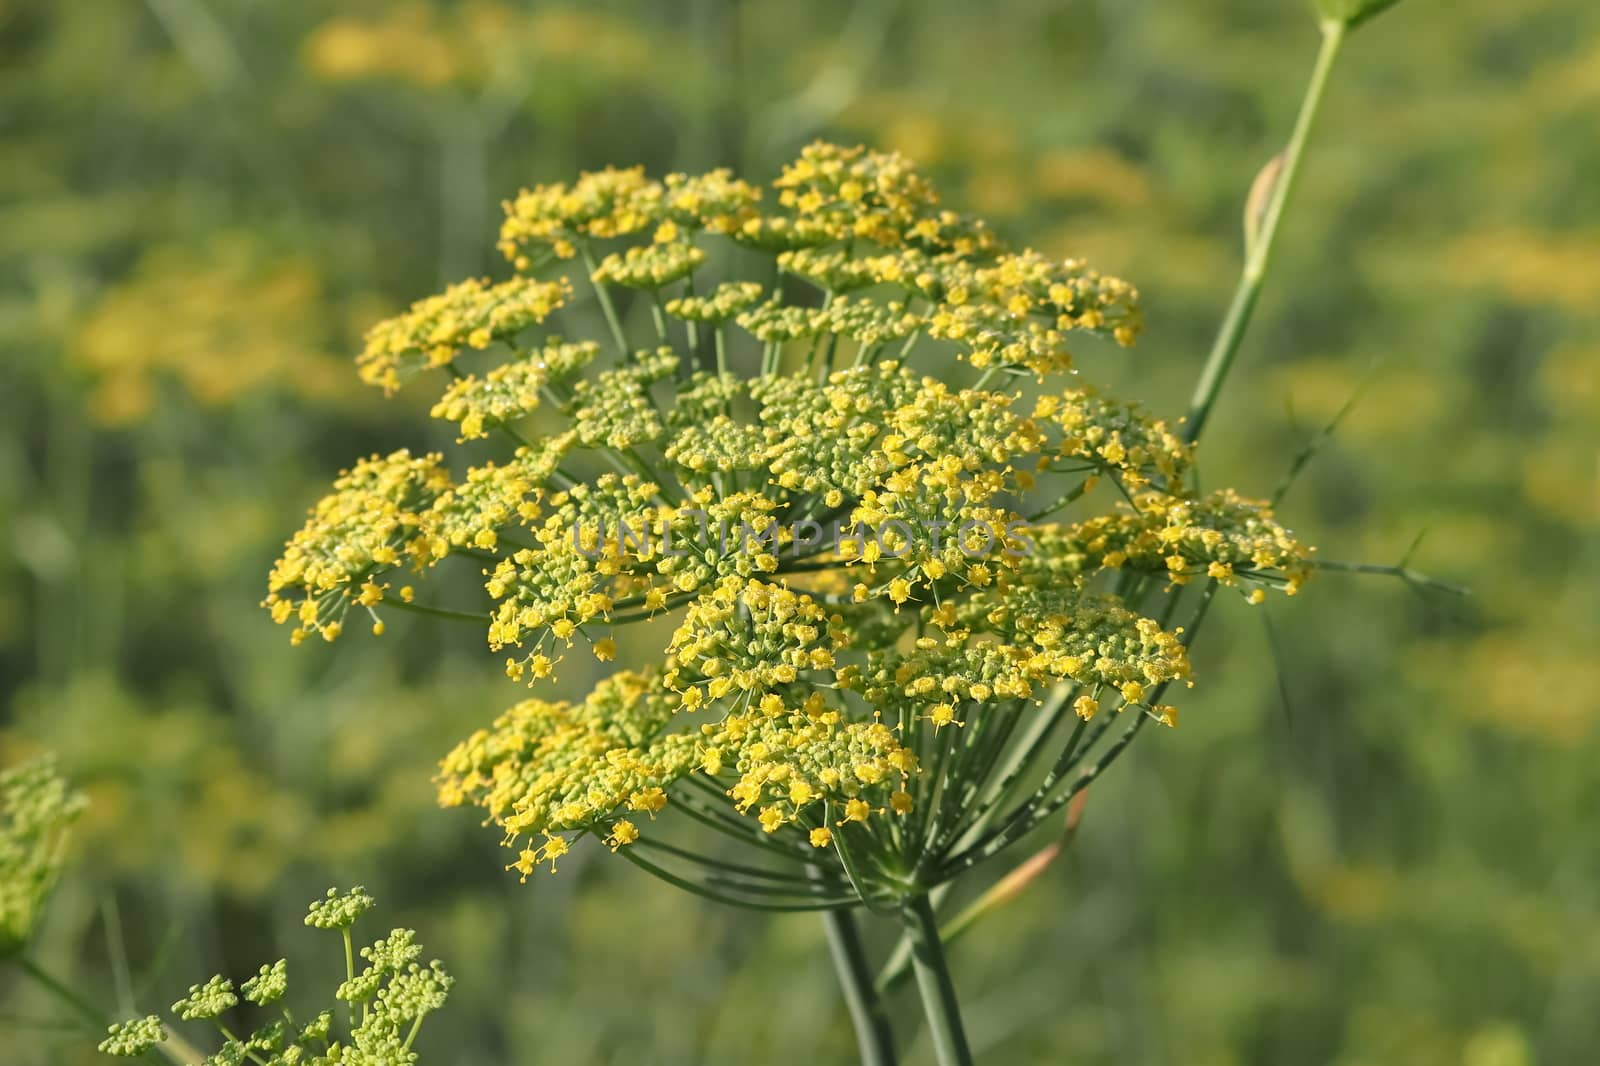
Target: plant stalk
{"x":874,"y":1035}
{"x":1259,"y":254}
{"x":607,"y":308}
{"x":933,"y":980}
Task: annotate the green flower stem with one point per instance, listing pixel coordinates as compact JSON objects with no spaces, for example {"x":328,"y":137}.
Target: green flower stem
{"x":874,"y":1035}
{"x":933,"y":980}
{"x":62,"y":991}
{"x":1043,"y":804}
{"x":1414,"y":578}
{"x":607,"y":308}
{"x":852,"y":868}
{"x":716,"y":896}
{"x":411,"y":1037}
{"x":753,"y":875}
{"x":660,"y":318}
{"x":1003,"y":891}
{"x":227,"y":1034}
{"x":350,"y":973}
{"x":439,"y":612}
{"x":1259,"y":254}
{"x":905,"y":349}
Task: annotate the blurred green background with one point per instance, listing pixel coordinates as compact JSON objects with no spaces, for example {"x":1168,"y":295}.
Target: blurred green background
{"x":1384,"y":853}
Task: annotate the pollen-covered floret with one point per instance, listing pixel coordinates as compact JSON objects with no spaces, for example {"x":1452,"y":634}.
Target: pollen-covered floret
{"x":718,"y":446}
{"x":495,"y":495}
{"x":749,"y":637}
{"x":1103,"y":435}
{"x":1002,"y":645}
{"x":935,"y":520}
{"x":373,"y":522}
{"x":616,"y":410}
{"x":470,"y":315}
{"x":791,"y":754}
{"x":557,"y":218}
{"x":545,"y":768}
{"x":1224,"y":536}
{"x":650,"y":266}
{"x":824,"y":438}
{"x":719,"y":305}
{"x":510,"y":391}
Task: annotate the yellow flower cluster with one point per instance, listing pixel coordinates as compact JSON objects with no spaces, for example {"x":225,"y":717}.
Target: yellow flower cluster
{"x":650,"y":266}
{"x":581,"y":563}
{"x":749,"y":637}
{"x":1114,"y":438}
{"x":617,"y":410}
{"x":935,"y":522}
{"x":844,"y":551}
{"x":1018,"y":311}
{"x":1014,"y":640}
{"x":472,"y":314}
{"x":789,"y":758}
{"x":866,"y":322}
{"x":720,"y":445}
{"x":545,"y":768}
{"x":703,"y":396}
{"x":371,"y":524}
{"x":975,"y":426}
{"x":823,"y":439}
{"x":496,"y":495}
{"x":614,"y":203}
{"x":1224,"y":537}
{"x":723,"y":302}
{"x":845,"y":194}
{"x":606,"y":204}
{"x":510,"y":391}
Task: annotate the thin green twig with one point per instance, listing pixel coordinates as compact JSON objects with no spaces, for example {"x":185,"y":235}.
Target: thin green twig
{"x":1259,"y":255}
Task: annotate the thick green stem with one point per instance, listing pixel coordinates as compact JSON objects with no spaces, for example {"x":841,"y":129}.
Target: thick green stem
{"x":874,"y":1036}
{"x":933,"y":980}
{"x":1259,"y":254}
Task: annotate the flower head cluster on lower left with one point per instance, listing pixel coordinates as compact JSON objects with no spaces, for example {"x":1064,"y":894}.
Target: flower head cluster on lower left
{"x":383,"y":1005}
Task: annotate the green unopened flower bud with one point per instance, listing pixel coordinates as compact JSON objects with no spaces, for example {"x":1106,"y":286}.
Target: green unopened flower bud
{"x":207,"y":1001}
{"x":339,"y":912}
{"x":129,"y":1040}
{"x":36,"y":808}
{"x":268,"y":985}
